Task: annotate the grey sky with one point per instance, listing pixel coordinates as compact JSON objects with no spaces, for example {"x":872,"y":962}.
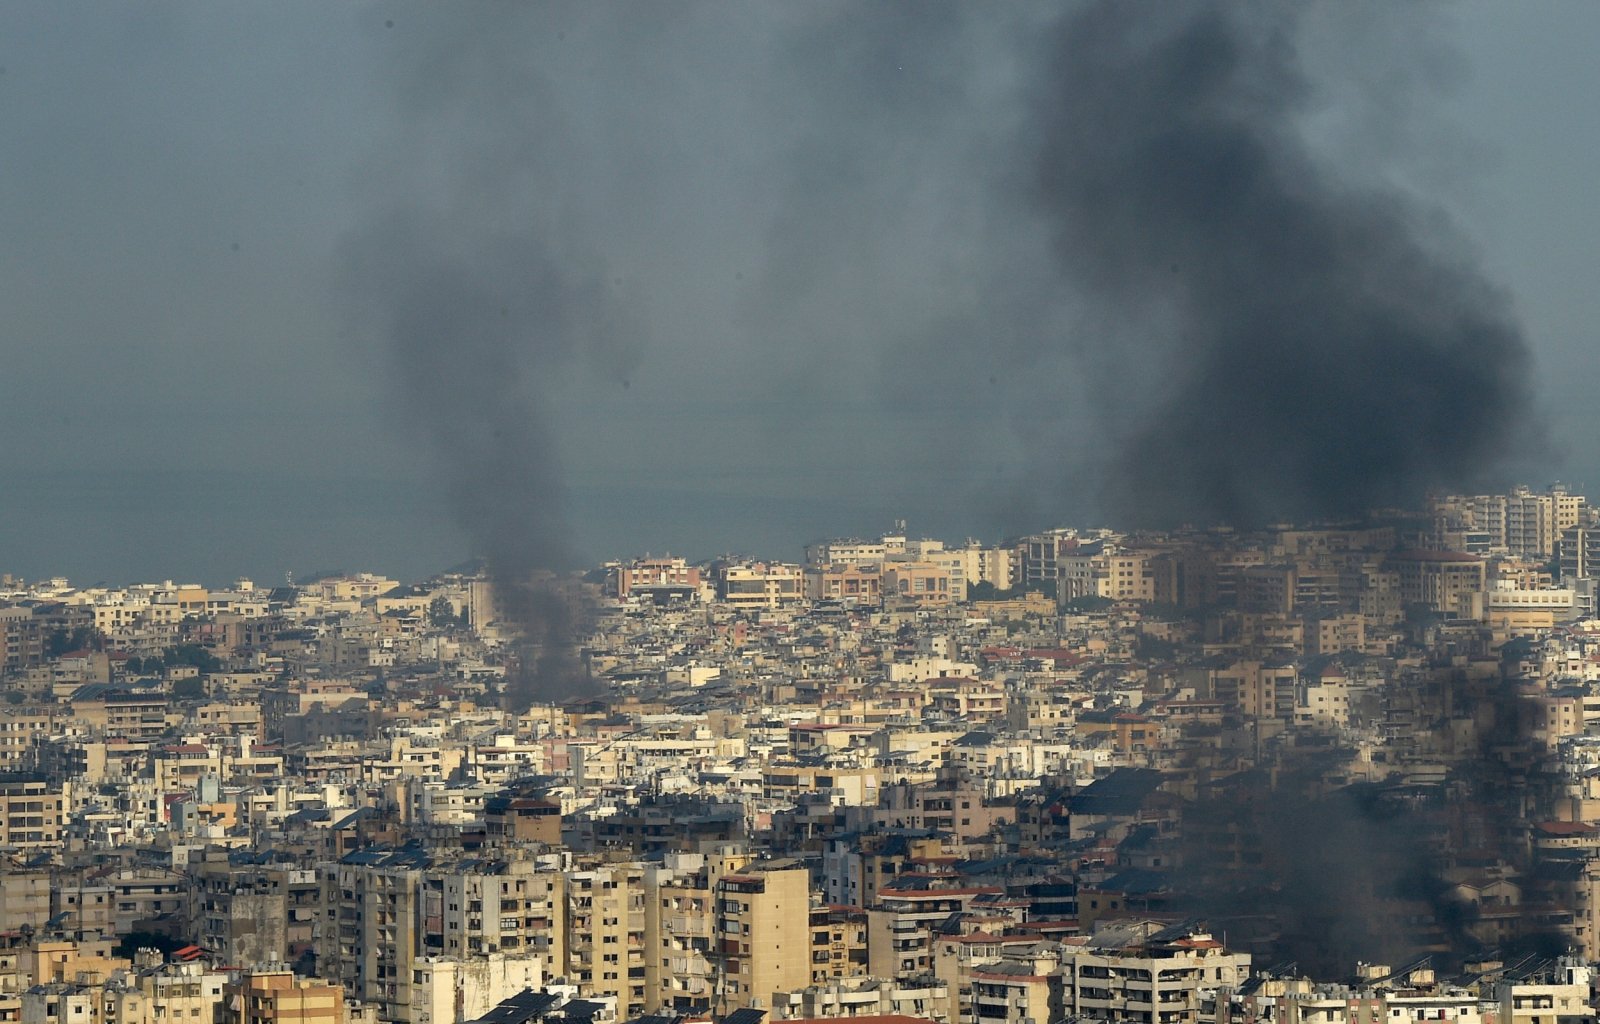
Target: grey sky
{"x":782,"y":201}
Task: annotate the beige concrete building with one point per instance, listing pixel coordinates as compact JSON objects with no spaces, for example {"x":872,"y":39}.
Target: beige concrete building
{"x":275,"y":996}
{"x":679,"y":962}
{"x":252,"y":913}
{"x":167,"y":994}
{"x":606,"y":934}
{"x":918,"y":584}
{"x":1024,"y":985}
{"x":1562,"y":997}
{"x":519,"y":909}
{"x":1258,"y":689}
{"x":1324,"y":702}
{"x":763,"y":934}
{"x":846,"y":551}
{"x":1522,"y":610}
{"x":369,"y":938}
{"x":1330,"y":634}
{"x":447,"y":990}
{"x":760,"y":585}
{"x":1118,"y":575}
{"x":850,"y":583}
{"x":1444,"y":581}
{"x":651,"y":573}
{"x":903,"y":924}
{"x":25,"y":898}
{"x":1160,"y":983}
{"x":33,"y":811}
{"x":20,"y":729}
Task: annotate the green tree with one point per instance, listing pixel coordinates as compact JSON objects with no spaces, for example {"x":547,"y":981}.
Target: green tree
{"x":1153,"y":648}
{"x":440,"y":614}
{"x":192,"y":654}
{"x":189,"y":689}
{"x":1045,"y":587}
{"x":61,"y":640}
{"x":983,"y":590}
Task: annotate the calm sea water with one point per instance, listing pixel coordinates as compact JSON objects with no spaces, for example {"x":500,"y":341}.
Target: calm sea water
{"x":211,"y":527}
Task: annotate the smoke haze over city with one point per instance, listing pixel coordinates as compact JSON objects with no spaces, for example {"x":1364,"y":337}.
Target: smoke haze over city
{"x":804,"y":270}
{"x":1135,"y":312}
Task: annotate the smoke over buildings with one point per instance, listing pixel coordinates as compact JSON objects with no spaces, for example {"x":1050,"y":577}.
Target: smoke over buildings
{"x":484,"y":291}
{"x":1290,"y":344}
{"x":1078,"y":264}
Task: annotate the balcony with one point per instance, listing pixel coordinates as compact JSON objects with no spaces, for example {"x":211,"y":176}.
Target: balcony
{"x":689,"y":967}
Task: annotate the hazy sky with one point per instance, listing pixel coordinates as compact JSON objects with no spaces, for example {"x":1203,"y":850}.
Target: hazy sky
{"x":781,"y":214}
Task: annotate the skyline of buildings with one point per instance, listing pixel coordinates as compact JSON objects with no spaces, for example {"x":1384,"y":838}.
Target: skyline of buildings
{"x":1315,"y":774}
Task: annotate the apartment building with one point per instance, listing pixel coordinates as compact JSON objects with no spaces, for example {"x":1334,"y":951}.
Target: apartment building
{"x":248,"y":912}
{"x":449,"y":990}
{"x":607,"y":935}
{"x":515,"y":907}
{"x":679,"y":961}
{"x":760,"y":585}
{"x":369,"y":941}
{"x":763,"y":934}
{"x":1038,"y":555}
{"x":1024,"y":985}
{"x":33,"y":811}
{"x":523,"y":819}
{"x":1522,"y":609}
{"x":848,"y":582}
{"x":838,"y":944}
{"x":20,"y":730}
{"x":1112,"y":573}
{"x":884,"y":1002}
{"x":269,"y":995}
{"x":903,"y":925}
{"x":1258,"y":689}
{"x":1444,"y":581}
{"x":1521,"y":523}
{"x":1154,"y":981}
{"x":673,"y":575}
{"x":25,"y":898}
{"x":171,"y":993}
{"x":1556,"y":992}
{"x":846,"y":551}
{"x":916,"y":584}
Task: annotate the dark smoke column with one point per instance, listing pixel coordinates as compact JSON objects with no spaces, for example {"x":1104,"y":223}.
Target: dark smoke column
{"x":1294,"y":345}
{"x":478,"y":329}
{"x":476,"y":282}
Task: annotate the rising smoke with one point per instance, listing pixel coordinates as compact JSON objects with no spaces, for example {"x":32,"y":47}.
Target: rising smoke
{"x":487,"y":292}
{"x":902,"y":230}
{"x":479,"y":328}
{"x":1290,"y":344}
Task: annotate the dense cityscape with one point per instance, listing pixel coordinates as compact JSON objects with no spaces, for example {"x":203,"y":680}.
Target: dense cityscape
{"x":1302,"y":774}
{"x":1268,"y":696}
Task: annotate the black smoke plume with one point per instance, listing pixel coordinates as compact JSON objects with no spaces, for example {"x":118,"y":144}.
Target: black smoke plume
{"x":1323,"y":881}
{"x":478,"y":329}
{"x":480,"y":282}
{"x":1285,"y":343}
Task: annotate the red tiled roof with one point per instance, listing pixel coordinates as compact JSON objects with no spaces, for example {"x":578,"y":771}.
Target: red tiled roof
{"x":1566,"y":828}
